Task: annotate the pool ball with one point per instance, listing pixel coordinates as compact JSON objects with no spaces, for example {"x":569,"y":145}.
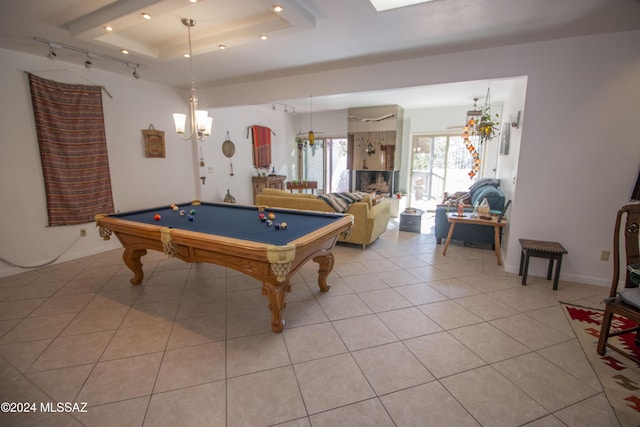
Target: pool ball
{"x":175,"y":207}
{"x":269,"y":223}
{"x":192,"y":211}
{"x":156,"y":217}
{"x":276,"y":226}
{"x":182,"y":212}
{"x":283,"y":226}
{"x":191,"y":217}
{"x":272,"y":216}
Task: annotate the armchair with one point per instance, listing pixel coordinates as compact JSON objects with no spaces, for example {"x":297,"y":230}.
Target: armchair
{"x":624,"y":303}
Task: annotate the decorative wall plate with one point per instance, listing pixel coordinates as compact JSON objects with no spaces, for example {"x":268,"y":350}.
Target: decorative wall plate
{"x":228,"y":147}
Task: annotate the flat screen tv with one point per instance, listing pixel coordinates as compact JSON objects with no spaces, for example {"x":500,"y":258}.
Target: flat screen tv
{"x":636,"y":190}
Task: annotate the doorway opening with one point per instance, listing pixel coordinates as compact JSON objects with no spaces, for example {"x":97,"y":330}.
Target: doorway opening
{"x":439,"y":164}
{"x":326,"y":163}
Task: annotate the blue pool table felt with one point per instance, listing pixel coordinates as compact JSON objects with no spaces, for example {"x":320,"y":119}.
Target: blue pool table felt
{"x":234,"y":221}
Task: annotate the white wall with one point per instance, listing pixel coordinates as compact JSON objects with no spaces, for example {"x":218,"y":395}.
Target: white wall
{"x":507,"y":164}
{"x":136,"y":181}
{"x":576,"y":165}
{"x":236,"y":120}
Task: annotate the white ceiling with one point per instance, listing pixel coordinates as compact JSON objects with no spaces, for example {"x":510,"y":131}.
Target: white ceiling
{"x":307,"y":35}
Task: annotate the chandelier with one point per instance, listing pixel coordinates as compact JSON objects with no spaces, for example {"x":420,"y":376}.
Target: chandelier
{"x":199,"y":120}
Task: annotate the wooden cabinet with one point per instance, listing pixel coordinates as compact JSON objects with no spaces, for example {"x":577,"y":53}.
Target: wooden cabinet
{"x":270,"y":181}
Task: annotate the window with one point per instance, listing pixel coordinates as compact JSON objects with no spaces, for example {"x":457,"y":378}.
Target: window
{"x":439,"y":164}
{"x":326,"y":163}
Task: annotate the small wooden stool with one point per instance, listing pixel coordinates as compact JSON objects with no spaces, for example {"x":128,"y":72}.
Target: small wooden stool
{"x":541,"y":249}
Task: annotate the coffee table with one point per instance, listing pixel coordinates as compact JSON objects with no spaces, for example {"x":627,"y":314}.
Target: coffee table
{"x":468,"y":218}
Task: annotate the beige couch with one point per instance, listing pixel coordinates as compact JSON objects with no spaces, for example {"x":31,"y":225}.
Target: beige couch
{"x":369,"y":221}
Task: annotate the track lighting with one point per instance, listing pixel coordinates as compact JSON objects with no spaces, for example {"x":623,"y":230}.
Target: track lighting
{"x":91,"y":56}
{"x":289,"y":109}
{"x":52,"y":53}
{"x":135,"y":70}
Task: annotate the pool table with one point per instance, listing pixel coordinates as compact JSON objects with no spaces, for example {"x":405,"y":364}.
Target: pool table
{"x":235,"y":237}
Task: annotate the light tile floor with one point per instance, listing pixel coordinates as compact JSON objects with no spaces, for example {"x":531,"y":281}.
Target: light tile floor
{"x":404,"y":337}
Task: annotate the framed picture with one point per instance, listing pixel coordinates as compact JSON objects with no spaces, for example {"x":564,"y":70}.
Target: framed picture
{"x":153,"y":142}
{"x":505,"y":136}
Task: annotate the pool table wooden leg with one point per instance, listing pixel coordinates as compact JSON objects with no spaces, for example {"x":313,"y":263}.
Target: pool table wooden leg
{"x":276,"y":293}
{"x":325,"y":263}
{"x":131,"y":258}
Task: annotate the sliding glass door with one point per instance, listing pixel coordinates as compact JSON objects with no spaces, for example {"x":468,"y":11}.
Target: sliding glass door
{"x":326,"y":163}
{"x":439,"y":164}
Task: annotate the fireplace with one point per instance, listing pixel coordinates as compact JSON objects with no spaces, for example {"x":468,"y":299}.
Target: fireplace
{"x":380,"y":181}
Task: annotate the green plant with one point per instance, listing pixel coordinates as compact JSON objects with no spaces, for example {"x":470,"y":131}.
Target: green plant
{"x":487,"y":125}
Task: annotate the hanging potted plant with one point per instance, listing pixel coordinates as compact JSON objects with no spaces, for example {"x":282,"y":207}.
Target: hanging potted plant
{"x":487,"y":125}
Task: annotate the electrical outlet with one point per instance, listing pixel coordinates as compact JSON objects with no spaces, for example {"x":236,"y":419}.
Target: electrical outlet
{"x":83,"y":232}
{"x":604,"y":256}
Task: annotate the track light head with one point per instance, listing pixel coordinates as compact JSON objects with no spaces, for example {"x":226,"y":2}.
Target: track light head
{"x":87,"y":64}
{"x":52,"y":53}
{"x":135,"y":74}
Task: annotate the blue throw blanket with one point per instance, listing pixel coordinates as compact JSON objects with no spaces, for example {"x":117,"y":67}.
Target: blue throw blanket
{"x":340,"y":202}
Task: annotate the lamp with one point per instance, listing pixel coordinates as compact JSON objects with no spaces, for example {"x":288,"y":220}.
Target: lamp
{"x":199,"y":120}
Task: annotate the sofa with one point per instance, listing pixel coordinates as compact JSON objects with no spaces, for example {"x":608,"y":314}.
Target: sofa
{"x":468,"y":233}
{"x":370,"y":219}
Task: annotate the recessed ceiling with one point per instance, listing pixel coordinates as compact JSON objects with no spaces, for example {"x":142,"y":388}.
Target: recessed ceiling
{"x":307,"y":37}
{"x":162,"y":37}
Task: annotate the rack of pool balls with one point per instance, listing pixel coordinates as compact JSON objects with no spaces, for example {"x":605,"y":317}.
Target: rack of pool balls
{"x":181,"y":212}
{"x":268,"y":220}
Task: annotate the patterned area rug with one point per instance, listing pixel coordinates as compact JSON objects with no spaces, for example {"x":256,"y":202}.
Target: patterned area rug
{"x":619,"y":376}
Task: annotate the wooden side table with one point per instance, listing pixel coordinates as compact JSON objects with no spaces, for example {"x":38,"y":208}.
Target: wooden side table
{"x":259,"y":183}
{"x":541,"y":249}
{"x":301,"y":186}
{"x":468,"y":218}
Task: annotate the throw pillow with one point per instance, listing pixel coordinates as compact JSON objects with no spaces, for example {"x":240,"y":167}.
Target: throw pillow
{"x":457,"y":197}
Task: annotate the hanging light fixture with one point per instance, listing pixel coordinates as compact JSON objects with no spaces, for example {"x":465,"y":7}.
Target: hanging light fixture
{"x":199,"y":120}
{"x":312,"y":137}
{"x":470,"y":128}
